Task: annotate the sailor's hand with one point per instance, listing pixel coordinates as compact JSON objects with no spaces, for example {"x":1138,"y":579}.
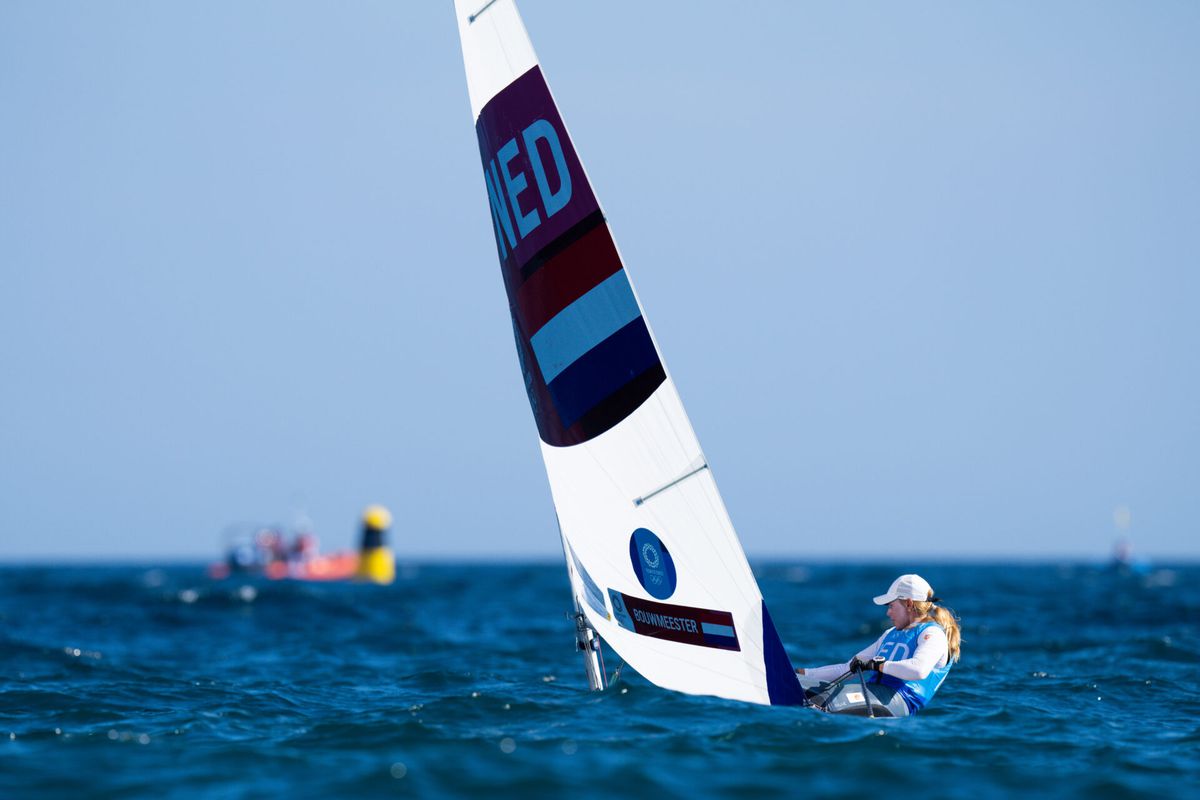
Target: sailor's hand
{"x":876,"y":663}
{"x":858,"y":665}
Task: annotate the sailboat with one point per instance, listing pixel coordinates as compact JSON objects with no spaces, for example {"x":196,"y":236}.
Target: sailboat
{"x":655,"y":567}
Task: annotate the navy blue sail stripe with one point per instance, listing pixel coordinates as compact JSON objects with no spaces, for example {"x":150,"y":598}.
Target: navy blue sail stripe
{"x":603,"y":370}
{"x":585,"y":323}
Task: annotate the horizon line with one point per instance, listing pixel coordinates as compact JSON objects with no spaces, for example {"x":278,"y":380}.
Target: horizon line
{"x":151,"y":560}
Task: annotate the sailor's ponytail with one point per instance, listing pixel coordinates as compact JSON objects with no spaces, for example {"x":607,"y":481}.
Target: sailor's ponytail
{"x":945,"y":619}
{"x":949,"y":623}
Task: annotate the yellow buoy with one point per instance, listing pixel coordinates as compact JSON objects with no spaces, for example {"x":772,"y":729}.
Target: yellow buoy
{"x":376,"y":561}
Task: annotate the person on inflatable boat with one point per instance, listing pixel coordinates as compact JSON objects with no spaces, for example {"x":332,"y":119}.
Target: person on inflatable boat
{"x":906,"y":664}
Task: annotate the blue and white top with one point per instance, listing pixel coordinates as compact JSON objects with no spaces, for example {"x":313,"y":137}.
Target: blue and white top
{"x":918,"y":660}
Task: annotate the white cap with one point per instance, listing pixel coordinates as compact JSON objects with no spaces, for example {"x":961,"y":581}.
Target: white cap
{"x":906,"y":587}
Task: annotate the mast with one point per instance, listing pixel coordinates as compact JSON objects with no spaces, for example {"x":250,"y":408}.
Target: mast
{"x":587,"y":641}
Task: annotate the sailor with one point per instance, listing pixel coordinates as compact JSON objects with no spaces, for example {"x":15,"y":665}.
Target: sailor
{"x":304,"y":548}
{"x":376,"y":562}
{"x":906,"y":664}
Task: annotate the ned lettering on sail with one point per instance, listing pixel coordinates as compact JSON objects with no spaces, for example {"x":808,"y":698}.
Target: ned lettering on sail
{"x":507,"y":183}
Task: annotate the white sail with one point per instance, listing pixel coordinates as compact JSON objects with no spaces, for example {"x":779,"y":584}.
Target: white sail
{"x":654,"y":561}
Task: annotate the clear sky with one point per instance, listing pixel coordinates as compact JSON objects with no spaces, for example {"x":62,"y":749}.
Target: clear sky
{"x":926,"y":274}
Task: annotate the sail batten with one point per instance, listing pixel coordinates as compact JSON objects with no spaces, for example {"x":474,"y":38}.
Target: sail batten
{"x":637,"y":501}
{"x":654,"y":563}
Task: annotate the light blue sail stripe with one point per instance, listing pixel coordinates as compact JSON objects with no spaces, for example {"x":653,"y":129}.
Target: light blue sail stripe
{"x":584,"y":324}
{"x":716,"y":630}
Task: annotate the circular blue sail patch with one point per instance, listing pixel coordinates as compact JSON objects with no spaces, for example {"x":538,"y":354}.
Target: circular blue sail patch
{"x":652,"y":564}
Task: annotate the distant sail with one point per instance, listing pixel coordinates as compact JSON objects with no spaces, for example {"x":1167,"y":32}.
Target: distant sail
{"x":653,"y":558}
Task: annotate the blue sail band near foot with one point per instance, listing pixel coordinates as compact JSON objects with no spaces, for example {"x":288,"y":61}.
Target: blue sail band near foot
{"x":782,"y":686}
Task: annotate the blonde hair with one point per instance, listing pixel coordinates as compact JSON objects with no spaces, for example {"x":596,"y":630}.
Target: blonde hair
{"x":944,"y":617}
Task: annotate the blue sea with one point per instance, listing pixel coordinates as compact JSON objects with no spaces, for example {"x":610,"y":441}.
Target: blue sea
{"x":462,"y":679}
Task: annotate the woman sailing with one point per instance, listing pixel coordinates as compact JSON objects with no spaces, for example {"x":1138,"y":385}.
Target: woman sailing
{"x":906,"y":664}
